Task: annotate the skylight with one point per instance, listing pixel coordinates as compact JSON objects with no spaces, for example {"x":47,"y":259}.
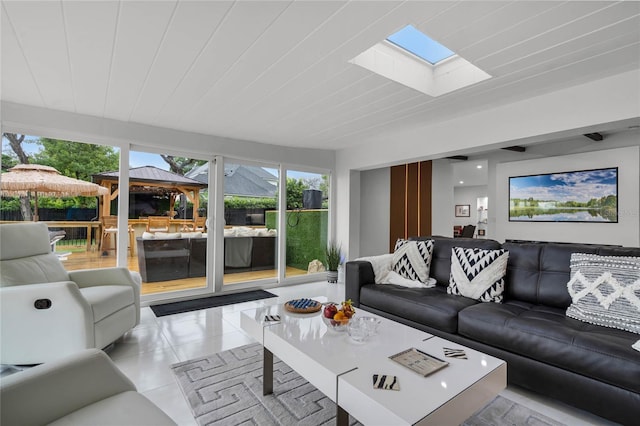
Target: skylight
{"x":419,"y":44}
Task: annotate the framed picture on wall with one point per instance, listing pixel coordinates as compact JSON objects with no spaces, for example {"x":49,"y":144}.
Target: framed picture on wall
{"x":463,"y":210}
{"x":576,"y":196}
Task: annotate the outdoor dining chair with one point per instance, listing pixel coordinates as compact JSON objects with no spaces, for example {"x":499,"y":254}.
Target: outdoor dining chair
{"x":109,"y":228}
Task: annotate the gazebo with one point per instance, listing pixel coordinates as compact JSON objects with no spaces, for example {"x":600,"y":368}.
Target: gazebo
{"x":153,"y":181}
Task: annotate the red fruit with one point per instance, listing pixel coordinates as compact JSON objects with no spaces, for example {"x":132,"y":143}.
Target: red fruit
{"x":330,"y":311}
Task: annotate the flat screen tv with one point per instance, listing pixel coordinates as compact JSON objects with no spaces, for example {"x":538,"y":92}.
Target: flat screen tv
{"x":579,"y":196}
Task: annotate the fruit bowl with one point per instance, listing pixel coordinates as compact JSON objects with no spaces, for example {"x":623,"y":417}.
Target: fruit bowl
{"x":336,"y":325}
{"x":336,"y":316}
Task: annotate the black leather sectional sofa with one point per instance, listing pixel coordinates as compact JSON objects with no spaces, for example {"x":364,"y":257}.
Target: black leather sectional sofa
{"x":587,"y":366}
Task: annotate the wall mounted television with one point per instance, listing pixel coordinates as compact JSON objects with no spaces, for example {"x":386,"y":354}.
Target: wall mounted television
{"x":577,"y":196}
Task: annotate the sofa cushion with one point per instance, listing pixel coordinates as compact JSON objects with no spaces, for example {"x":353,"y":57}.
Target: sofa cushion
{"x":412,"y":259}
{"x":605,"y":290}
{"x":538,"y":273}
{"x":477,"y":273}
{"x":167,"y":235}
{"x":440,"y":268}
{"x":429,"y":306}
{"x":107,"y":299}
{"x":546,"y":334}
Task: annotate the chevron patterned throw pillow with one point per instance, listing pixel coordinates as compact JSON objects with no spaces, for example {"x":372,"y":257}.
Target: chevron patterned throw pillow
{"x":412,"y":259}
{"x":605,"y":290}
{"x":478,"y":274}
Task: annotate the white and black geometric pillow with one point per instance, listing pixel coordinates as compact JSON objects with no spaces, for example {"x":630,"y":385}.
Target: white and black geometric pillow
{"x":605,"y":290}
{"x":478,"y":274}
{"x":412,"y":259}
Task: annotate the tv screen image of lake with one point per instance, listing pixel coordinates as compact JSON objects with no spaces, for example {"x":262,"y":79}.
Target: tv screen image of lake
{"x":578,"y":196}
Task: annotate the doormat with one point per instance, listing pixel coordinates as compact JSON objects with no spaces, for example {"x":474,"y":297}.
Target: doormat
{"x":209,"y":302}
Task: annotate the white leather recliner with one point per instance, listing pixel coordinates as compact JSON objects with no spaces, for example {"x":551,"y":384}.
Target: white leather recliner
{"x":85,"y":388}
{"x":47,"y":312}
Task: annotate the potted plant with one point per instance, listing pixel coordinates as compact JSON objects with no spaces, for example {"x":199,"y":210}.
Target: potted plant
{"x":333,"y":259}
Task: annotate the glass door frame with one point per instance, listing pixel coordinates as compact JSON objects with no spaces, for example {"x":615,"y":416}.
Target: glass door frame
{"x":123,"y":205}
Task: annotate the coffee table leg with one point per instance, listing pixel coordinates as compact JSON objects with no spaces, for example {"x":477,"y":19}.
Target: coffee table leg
{"x":267,"y":372}
{"x":342,"y":417}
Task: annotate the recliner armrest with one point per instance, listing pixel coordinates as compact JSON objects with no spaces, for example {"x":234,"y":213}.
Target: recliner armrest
{"x":60,"y":387}
{"x":357,"y":274}
{"x":101,"y":276}
{"x":109,"y":276}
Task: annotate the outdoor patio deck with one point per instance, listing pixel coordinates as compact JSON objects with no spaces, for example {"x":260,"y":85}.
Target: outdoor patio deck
{"x":87,"y":260}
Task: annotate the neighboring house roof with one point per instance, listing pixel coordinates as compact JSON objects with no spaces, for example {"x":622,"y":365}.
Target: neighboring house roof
{"x":151,"y":174}
{"x":241,"y":180}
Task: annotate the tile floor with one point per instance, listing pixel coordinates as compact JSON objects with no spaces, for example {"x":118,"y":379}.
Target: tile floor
{"x":146,"y":353}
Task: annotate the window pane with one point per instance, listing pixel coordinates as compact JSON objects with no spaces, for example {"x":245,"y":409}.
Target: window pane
{"x":168,"y":200}
{"x":250,"y":213}
{"x":76,"y":231}
{"x":307,"y":219}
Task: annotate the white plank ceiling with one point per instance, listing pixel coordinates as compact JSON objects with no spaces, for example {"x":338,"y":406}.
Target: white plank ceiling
{"x":278,"y":71}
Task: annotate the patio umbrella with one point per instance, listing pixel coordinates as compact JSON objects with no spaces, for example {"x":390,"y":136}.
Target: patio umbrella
{"x":44,"y":180}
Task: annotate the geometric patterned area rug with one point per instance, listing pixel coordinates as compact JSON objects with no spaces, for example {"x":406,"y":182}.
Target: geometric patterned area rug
{"x":226,"y":389}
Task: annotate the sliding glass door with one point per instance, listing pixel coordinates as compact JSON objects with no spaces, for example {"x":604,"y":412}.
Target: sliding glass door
{"x":168,"y":200}
{"x":250,"y":222}
{"x":307,"y":222}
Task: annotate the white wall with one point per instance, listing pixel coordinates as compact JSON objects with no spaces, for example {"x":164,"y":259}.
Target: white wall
{"x":626,"y":232}
{"x":374,"y":211}
{"x":468,"y":195}
{"x":374,"y":190}
{"x":442,"y":198}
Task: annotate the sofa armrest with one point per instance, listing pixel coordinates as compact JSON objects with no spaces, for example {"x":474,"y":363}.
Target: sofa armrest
{"x":42,"y":318}
{"x":102,"y":276}
{"x":357,"y":274}
{"x":60,"y":387}
{"x":109,"y":276}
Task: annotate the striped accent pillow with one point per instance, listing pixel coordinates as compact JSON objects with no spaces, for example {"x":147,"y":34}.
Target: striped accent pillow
{"x":412,"y":259}
{"x":605,"y":291}
{"x":478,"y":274}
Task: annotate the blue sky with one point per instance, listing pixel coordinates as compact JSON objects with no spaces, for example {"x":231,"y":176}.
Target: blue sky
{"x":572,"y":186}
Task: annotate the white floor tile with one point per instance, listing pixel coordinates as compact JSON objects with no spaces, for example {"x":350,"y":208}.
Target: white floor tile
{"x":138,"y":341}
{"x":149,"y":370}
{"x":182,"y":332}
{"x":173,"y":403}
{"x":212,"y":345}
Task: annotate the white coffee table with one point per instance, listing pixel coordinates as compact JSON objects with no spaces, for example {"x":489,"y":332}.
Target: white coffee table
{"x":446,"y":397}
{"x":342,"y":369}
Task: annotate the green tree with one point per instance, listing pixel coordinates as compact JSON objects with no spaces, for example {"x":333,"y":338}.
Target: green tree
{"x":8,"y":161}
{"x":15,"y":141}
{"x":75,"y":159}
{"x":181,"y":165}
{"x":324,"y":186}
{"x":294,"y":193}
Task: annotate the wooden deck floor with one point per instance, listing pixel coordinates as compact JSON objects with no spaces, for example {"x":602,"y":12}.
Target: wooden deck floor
{"x":88,"y":260}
